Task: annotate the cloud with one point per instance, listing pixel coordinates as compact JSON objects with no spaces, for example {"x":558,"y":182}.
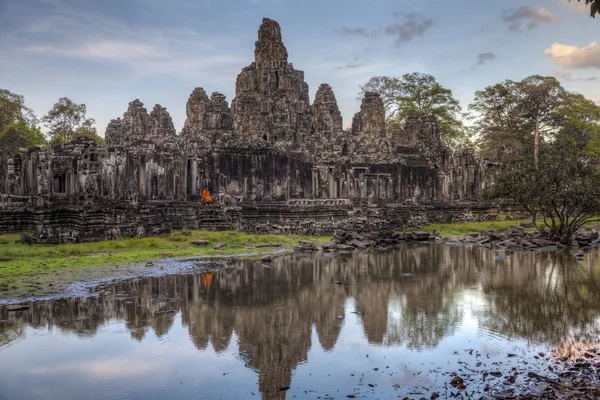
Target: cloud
{"x":355,"y":63}
{"x":358,"y":30}
{"x":483,"y":58}
{"x":98,"y":50}
{"x":80,"y":33}
{"x":567,"y":76}
{"x":411,"y":26}
{"x":575,"y":57}
{"x":575,"y":6}
{"x":529,"y":16}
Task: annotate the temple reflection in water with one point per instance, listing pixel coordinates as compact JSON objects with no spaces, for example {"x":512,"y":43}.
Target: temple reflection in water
{"x":411,"y":297}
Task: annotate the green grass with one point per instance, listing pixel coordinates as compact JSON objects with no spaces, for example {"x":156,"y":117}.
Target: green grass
{"x":20,"y":260}
{"x":461,"y":229}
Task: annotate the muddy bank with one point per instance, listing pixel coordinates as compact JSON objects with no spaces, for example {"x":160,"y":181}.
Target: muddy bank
{"x":79,"y":283}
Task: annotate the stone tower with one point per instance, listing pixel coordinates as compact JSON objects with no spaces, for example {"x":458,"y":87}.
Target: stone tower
{"x":370,"y":121}
{"x":208,"y":121}
{"x":272,"y":102}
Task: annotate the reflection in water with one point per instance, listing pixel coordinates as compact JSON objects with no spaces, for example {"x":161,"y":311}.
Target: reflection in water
{"x":409,"y":298}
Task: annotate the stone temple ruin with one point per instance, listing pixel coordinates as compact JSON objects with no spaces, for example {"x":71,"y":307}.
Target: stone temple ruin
{"x":272,"y":161}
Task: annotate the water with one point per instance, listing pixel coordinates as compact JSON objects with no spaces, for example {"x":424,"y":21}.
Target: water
{"x":400,"y":324}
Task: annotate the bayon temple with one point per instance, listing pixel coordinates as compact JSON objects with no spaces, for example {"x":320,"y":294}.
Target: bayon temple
{"x":272,"y":161}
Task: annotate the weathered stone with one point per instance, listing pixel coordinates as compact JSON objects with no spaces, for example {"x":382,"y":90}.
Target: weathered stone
{"x":272,"y":163}
{"x":17,"y":307}
{"x":220,"y":245}
{"x":200,"y":243}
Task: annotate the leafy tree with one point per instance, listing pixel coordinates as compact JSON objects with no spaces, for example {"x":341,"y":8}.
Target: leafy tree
{"x":509,"y":114}
{"x":17,"y":124}
{"x":594,"y":6}
{"x":499,"y":124}
{"x":67,"y":121}
{"x":563,"y":188}
{"x":578,"y":121}
{"x":389,"y":89}
{"x":12,"y":109}
{"x":540,"y":96}
{"x":21,"y":134}
{"x":419,"y":94}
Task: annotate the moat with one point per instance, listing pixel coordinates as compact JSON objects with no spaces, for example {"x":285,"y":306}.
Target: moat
{"x":378,"y":324}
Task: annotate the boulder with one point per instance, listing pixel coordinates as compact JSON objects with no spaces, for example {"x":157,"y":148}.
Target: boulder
{"x":200,"y":243}
{"x":220,"y":245}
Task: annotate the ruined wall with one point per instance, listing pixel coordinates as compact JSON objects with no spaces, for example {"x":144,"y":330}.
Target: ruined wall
{"x":272,"y":160}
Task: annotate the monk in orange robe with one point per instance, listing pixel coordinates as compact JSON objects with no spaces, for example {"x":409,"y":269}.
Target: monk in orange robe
{"x":206,"y":196}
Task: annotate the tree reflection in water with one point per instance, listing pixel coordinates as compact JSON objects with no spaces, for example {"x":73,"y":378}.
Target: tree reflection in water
{"x":412,"y":297}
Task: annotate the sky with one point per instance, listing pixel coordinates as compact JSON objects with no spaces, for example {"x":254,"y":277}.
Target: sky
{"x":107,"y":53}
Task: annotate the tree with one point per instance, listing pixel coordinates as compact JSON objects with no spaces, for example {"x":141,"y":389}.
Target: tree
{"x":594,"y":6}
{"x":67,"y":121}
{"x":418,"y":95}
{"x":578,"y":121}
{"x":509,"y":114}
{"x":563,"y":188}
{"x":388,"y":88}
{"x":12,"y":109}
{"x":21,"y":134}
{"x":18,"y":124}
{"x":539,"y":97}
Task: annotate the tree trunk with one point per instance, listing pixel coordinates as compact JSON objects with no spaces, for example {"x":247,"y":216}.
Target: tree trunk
{"x":536,"y":140}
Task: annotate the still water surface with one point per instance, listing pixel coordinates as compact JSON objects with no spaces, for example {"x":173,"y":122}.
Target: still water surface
{"x":397,"y":325}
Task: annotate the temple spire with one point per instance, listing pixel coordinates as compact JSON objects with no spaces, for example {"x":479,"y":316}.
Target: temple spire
{"x":269,"y":47}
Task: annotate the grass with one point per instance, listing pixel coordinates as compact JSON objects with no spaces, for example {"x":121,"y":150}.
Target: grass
{"x":21,"y":261}
{"x":461,"y":229}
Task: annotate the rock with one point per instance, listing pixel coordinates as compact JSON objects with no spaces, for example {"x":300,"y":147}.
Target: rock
{"x":2,"y":266}
{"x":527,"y":225}
{"x":220,"y":245}
{"x":200,"y":243}
{"x":266,"y":259}
{"x":26,"y":239}
{"x":17,"y":307}
{"x":420,"y":235}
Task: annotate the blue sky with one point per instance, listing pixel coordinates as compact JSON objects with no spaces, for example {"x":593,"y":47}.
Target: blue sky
{"x":108,"y":53}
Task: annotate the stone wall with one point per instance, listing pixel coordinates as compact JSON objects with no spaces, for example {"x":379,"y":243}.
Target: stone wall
{"x":272,"y":162}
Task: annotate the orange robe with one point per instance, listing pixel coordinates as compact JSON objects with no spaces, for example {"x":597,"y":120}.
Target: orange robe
{"x":206,"y":196}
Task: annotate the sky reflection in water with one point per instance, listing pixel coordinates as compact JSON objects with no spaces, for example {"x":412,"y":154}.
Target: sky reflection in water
{"x":399,"y":320}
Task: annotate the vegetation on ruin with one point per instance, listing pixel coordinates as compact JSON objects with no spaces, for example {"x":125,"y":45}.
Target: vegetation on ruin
{"x":21,"y":260}
{"x":18,"y":124}
{"x":418,"y":94}
{"x":68,"y":121}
